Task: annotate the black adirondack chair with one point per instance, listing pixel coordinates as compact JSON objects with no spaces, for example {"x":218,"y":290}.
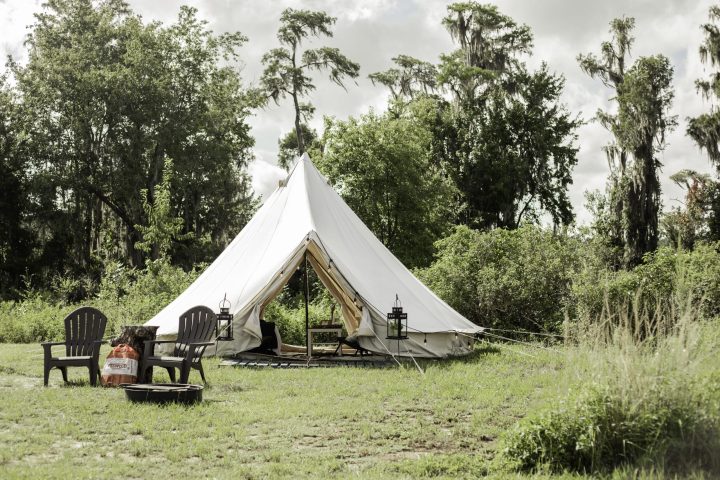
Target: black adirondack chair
{"x":195,"y":330}
{"x":84,"y":329}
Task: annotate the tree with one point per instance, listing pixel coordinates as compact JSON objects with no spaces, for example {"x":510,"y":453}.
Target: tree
{"x":644,"y":95}
{"x":105,"y":99}
{"x":288,"y":146}
{"x":695,"y":221}
{"x":162,"y":226}
{"x":490,"y":44}
{"x":505,"y":139}
{"x":381,"y":166}
{"x":411,"y":77}
{"x":286,"y":68}
{"x":16,"y":242}
{"x":508,"y":140}
{"x":512,"y":156}
{"x":705,"y":128}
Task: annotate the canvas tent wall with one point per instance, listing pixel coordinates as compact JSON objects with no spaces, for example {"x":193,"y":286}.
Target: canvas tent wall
{"x":305,"y":216}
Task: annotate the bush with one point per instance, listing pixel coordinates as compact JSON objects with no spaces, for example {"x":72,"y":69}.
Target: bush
{"x":126,"y":296}
{"x":514,"y":279}
{"x":666,"y":280}
{"x":670,"y":427}
{"x":290,"y":319}
{"x":644,"y":400}
{"x":32,"y":320}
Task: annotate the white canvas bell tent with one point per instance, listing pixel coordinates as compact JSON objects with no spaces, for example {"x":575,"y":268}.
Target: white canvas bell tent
{"x":305,"y":216}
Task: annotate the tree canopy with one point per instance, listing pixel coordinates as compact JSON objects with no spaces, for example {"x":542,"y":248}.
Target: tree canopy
{"x":381,"y":166}
{"x":102,"y":102}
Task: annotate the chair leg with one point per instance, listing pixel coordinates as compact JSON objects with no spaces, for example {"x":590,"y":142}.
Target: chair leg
{"x":171,"y":372}
{"x":64,"y":373}
{"x":93,"y":375}
{"x":46,"y":374}
{"x":185,"y":372}
{"x":202,"y":372}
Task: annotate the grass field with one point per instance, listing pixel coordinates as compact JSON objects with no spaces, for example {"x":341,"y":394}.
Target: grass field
{"x":318,"y":423}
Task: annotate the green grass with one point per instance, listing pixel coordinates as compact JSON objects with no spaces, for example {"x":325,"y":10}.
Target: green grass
{"x":339,"y":422}
{"x":316,"y":423}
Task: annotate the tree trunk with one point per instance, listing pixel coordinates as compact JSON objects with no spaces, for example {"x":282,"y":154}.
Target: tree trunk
{"x":296,"y":104}
{"x":298,"y":130}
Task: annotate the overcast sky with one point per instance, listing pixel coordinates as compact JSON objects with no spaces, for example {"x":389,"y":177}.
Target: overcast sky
{"x":371,"y":32}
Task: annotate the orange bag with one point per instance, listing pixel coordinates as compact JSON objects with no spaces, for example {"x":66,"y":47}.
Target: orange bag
{"x":121,"y":366}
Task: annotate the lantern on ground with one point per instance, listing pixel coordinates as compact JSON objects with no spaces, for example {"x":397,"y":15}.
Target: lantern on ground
{"x":223,"y":329}
{"x":397,"y":322}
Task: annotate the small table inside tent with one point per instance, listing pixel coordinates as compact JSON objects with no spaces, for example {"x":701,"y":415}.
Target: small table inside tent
{"x":336,"y":329}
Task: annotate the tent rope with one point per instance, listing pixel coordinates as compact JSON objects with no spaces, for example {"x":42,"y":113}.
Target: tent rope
{"x":415,"y":362}
{"x":518,"y":341}
{"x":525,"y":332}
{"x":386,"y":349}
{"x":500,"y":345}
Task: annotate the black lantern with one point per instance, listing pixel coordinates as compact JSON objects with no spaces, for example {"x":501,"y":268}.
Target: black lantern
{"x":223,"y":329}
{"x":397,"y":322}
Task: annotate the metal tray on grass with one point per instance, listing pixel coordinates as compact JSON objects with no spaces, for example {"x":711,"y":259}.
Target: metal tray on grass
{"x":163,"y":392}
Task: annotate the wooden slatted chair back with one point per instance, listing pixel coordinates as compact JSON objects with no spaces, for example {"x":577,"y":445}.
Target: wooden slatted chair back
{"x":83,"y":328}
{"x":196,"y":325}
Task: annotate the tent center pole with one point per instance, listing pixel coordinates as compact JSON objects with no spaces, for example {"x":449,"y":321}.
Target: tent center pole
{"x":307,"y":312}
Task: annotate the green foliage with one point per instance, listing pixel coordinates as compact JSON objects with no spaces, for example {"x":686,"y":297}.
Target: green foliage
{"x":664,"y":283}
{"x":642,"y":400}
{"x":513,"y":155}
{"x":127,"y":296}
{"x":644,"y":96}
{"x":382,"y":167}
{"x":101,"y":102}
{"x":16,"y":241}
{"x":705,"y":128}
{"x":490,"y":44}
{"x":514,"y":279}
{"x":696,"y":220}
{"x":288,"y":146}
{"x":286,"y":69}
{"x":597,"y":431}
{"x":411,"y":78}
{"x":32,"y":320}
{"x":289,"y":318}
{"x":163,"y":227}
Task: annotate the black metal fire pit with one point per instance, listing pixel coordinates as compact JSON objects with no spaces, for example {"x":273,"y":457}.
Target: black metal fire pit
{"x":163,"y":392}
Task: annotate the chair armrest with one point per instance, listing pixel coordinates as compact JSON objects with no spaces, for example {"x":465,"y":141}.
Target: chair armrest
{"x":47,"y":347}
{"x":149,"y":349}
{"x":159,"y":341}
{"x":193,"y":346}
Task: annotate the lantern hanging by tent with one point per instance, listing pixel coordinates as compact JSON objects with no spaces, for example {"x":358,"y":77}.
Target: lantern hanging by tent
{"x":397,"y":322}
{"x":223,"y":329}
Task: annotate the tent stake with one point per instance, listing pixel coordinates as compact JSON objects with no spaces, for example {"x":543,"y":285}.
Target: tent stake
{"x":307,"y":312}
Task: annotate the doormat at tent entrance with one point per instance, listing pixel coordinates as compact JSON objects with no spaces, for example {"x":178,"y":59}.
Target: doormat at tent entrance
{"x":299,"y":361}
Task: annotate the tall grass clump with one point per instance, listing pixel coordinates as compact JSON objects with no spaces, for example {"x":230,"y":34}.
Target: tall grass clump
{"x":127,"y":296}
{"x":646,"y":390}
